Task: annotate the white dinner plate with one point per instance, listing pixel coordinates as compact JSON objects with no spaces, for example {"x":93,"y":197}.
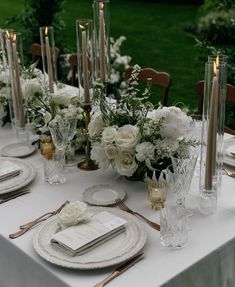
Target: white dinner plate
{"x":103,"y":194}
{"x":114,"y":251}
{"x":26,"y":175}
{"x":228,"y":157}
{"x":17,"y":150}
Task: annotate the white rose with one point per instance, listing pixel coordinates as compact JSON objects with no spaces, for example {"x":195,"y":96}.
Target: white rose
{"x":125,"y":164}
{"x":144,"y":151}
{"x":98,"y":154}
{"x":72,"y":214}
{"x":111,"y":151}
{"x":108,"y":135}
{"x":62,"y":97}
{"x":96,"y":125}
{"x":31,"y":87}
{"x":127,"y":137}
{"x":176,"y":122}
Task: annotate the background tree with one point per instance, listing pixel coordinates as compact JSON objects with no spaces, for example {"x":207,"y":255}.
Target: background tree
{"x":38,"y":13}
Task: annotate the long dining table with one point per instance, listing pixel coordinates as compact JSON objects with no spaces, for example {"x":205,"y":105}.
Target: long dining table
{"x":207,"y":260}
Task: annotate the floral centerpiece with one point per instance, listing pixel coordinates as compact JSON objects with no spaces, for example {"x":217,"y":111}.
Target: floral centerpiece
{"x":41,"y":106}
{"x":134,"y":138}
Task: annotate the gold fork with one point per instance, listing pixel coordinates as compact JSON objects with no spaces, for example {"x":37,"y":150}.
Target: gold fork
{"x":229,"y":172}
{"x":29,"y":225}
{"x":123,"y":207}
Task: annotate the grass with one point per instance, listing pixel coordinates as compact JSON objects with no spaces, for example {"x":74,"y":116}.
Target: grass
{"x":155,"y":38}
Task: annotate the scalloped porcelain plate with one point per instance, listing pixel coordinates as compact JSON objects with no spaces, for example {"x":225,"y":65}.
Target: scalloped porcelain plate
{"x":114,"y":251}
{"x":103,"y":194}
{"x":17,"y":150}
{"x":26,"y":175}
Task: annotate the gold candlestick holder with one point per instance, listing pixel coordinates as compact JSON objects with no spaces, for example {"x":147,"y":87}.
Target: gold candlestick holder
{"x":87,"y":163}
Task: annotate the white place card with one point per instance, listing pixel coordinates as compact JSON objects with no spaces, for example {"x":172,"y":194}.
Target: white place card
{"x":81,"y":238}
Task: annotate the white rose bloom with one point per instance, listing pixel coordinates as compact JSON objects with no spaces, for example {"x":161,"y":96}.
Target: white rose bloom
{"x":3,"y":92}
{"x":62,"y":97}
{"x":145,"y":150}
{"x":31,"y":87}
{"x":127,"y":137}
{"x":176,"y":123}
{"x":72,"y":214}
{"x":96,"y":125}
{"x":111,"y":151}
{"x":125,"y":164}
{"x":98,"y":154}
{"x":108,"y":135}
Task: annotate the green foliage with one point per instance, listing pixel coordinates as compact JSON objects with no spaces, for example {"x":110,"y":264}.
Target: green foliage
{"x":210,"y":5}
{"x":218,"y":27}
{"x":38,"y":13}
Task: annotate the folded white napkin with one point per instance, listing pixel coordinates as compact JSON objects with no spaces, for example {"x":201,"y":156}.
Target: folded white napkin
{"x":231,"y":150}
{"x":83,"y":237}
{"x":8,"y":169}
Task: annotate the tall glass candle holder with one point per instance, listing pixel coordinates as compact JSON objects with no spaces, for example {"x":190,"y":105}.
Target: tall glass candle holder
{"x":85,"y":54}
{"x":48,"y":57}
{"x":14,"y":66}
{"x":3,"y":48}
{"x":102,"y":39}
{"x":212,"y":132}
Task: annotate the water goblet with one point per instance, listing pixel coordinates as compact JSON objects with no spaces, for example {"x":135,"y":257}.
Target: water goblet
{"x":54,"y":166}
{"x":179,"y":177}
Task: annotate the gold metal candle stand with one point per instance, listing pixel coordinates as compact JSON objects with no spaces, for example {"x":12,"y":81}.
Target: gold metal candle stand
{"x":87,"y":163}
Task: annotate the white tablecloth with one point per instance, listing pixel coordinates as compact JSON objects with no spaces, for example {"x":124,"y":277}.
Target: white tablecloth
{"x":208,"y":259}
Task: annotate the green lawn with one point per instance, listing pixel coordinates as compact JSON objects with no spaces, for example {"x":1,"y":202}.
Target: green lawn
{"x":155,"y":38}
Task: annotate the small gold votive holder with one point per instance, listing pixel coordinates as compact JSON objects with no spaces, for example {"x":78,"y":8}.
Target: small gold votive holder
{"x":156,"y":194}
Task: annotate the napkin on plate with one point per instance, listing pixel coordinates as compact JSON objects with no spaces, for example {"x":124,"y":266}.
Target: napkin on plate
{"x":231,"y":150}
{"x":8,"y":169}
{"x":83,"y":237}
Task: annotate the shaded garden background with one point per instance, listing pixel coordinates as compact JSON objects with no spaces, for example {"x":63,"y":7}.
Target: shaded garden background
{"x":159,"y":35}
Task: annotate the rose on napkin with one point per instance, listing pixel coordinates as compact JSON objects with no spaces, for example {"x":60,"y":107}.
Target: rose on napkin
{"x":72,"y":214}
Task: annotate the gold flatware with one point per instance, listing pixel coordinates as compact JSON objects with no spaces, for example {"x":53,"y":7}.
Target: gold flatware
{"x":123,"y":207}
{"x":25,"y":227}
{"x":229,"y":172}
{"x":6,"y":198}
{"x":10,"y":175}
{"x":122,"y":268}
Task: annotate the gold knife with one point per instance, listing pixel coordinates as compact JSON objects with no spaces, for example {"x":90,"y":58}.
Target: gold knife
{"x":14,"y":195}
{"x":122,"y":268}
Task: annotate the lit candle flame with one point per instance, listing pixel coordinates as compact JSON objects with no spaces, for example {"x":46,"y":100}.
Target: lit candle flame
{"x":216,"y":65}
{"x":81,"y":27}
{"x":14,"y":38}
{"x":46,"y":31}
{"x":8,"y":34}
{"x":101,"y":5}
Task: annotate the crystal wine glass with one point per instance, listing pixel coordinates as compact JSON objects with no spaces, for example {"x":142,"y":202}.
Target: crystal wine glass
{"x":69,"y":153}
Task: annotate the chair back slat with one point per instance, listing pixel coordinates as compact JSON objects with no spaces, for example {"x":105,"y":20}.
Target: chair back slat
{"x":161,"y":79}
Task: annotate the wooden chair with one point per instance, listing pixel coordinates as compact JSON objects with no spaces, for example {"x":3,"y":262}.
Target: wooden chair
{"x":160,"y":79}
{"x":73,"y":61}
{"x":36,"y":52}
{"x":230,"y":98}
